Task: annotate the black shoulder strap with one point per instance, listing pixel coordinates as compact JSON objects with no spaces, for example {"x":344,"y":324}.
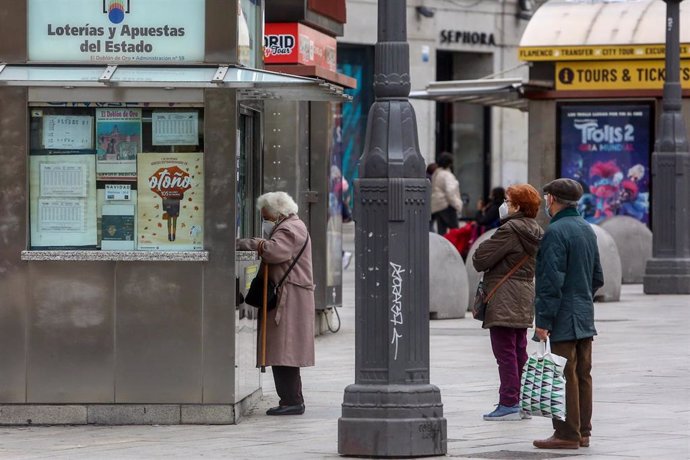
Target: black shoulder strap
{"x":293,"y":262}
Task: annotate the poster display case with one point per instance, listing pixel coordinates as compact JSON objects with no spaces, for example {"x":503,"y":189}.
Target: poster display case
{"x":116,"y":179}
{"x":607,"y":148}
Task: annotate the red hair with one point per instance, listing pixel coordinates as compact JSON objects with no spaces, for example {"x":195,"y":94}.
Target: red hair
{"x":525,"y":196}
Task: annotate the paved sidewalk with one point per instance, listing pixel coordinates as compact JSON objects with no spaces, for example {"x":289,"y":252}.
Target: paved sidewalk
{"x":641,"y":399}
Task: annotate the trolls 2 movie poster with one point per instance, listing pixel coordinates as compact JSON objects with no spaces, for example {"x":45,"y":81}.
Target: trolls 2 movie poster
{"x":607,"y":149}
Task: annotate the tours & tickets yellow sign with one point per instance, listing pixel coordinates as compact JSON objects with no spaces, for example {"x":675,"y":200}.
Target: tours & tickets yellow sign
{"x":616,"y":75}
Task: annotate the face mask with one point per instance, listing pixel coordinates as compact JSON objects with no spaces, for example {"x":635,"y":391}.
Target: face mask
{"x":503,"y":211}
{"x":267,"y":228}
{"x":546,"y":207}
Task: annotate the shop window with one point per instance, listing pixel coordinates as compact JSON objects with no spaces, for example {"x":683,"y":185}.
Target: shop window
{"x":116,"y":178}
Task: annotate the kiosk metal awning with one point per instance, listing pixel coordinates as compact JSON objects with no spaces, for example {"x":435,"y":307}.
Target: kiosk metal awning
{"x":499,"y":92}
{"x":250,"y":83}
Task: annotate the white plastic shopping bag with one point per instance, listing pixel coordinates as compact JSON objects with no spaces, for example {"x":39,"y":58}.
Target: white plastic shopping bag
{"x":542,"y":390}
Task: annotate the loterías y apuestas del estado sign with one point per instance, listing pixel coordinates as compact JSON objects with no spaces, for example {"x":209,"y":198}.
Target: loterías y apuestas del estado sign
{"x":116,"y":31}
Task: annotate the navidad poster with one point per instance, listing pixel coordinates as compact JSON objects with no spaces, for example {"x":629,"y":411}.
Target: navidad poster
{"x":170,"y":201}
{"x":607,"y":149}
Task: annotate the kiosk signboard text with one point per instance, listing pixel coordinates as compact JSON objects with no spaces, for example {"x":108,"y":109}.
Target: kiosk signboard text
{"x":123,"y":31}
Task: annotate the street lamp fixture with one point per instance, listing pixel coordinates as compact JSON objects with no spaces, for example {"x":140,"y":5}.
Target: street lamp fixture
{"x":392,"y":410}
{"x":424,"y":11}
{"x":668,"y":271}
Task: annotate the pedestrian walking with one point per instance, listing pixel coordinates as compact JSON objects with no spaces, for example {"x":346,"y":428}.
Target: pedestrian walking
{"x":568,"y":275}
{"x":446,"y":202}
{"x":508,"y":262}
{"x":290,"y":326}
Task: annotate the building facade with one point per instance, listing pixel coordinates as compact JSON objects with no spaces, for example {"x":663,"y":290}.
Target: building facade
{"x":595,"y":97}
{"x":449,"y":40}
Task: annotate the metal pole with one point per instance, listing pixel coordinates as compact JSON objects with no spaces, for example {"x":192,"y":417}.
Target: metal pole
{"x":668,"y":271}
{"x":392,"y":410}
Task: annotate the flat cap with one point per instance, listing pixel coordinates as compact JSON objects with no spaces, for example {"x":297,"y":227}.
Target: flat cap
{"x":565,"y":189}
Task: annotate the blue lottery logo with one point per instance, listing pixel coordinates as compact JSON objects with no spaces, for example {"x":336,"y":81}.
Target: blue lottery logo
{"x":116,"y":10}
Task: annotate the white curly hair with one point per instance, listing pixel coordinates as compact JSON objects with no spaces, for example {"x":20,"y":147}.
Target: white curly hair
{"x":277,"y":203}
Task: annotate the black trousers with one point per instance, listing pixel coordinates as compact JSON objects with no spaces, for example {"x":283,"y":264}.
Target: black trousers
{"x":446,"y":219}
{"x":288,"y":385}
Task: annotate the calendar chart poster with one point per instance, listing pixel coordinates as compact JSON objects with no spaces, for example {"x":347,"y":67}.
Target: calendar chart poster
{"x":63,"y":201}
{"x":175,"y":128}
{"x":67,"y":132}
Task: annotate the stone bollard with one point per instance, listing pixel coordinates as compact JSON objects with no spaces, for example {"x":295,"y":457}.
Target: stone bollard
{"x":448,"y":289}
{"x":473,"y":276}
{"x":610,"y":264}
{"x":634,"y":242}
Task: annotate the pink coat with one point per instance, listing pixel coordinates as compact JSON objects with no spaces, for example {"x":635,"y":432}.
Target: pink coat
{"x":290,"y":326}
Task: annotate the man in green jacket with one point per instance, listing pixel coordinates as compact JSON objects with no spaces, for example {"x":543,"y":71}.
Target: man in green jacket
{"x":568,"y":273}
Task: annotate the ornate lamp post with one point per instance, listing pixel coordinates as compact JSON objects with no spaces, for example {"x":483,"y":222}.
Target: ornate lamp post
{"x":392,"y":410}
{"x":668,"y":271}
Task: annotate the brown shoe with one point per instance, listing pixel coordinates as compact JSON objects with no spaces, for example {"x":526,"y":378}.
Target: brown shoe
{"x":554,"y":443}
{"x":584,"y":441}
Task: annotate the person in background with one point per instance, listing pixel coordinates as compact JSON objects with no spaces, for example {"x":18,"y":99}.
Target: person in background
{"x":487,"y":216}
{"x":290,"y":326}
{"x":510,"y":311}
{"x":568,"y":275}
{"x":430,"y":168}
{"x":347,"y":218}
{"x":445,"y":195}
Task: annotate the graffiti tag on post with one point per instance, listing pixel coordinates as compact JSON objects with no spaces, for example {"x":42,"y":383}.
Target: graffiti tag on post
{"x":396,"y":307}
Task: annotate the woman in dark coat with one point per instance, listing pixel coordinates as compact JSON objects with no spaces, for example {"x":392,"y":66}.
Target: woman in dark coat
{"x":511,"y":310}
{"x":487,"y":215}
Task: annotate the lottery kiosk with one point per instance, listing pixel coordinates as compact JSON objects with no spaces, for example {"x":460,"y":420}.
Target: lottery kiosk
{"x":131,"y":138}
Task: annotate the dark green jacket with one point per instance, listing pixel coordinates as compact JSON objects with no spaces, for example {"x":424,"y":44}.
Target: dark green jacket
{"x":568,"y":275}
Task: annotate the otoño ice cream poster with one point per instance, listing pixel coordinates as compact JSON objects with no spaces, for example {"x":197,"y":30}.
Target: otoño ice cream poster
{"x":170,"y":201}
{"x":607,"y":149}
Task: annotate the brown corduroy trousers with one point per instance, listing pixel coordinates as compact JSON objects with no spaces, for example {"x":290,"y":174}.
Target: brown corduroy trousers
{"x":578,"y":389}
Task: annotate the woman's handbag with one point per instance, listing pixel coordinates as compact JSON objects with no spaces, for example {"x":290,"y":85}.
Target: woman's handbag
{"x":481,"y":299}
{"x":254,"y":296}
{"x":542,"y":389}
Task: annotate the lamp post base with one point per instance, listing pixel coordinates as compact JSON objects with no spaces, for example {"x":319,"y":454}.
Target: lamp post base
{"x":392,"y":421}
{"x":667,"y":276}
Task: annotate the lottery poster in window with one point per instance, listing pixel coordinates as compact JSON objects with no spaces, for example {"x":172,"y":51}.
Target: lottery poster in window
{"x":63,"y":201}
{"x":170,"y":201}
{"x":175,"y":128}
{"x":607,"y":149}
{"x":117,"y":227}
{"x":67,"y":132}
{"x":118,"y":140}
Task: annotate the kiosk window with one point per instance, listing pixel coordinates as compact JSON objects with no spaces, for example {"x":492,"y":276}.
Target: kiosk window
{"x":116,"y":178}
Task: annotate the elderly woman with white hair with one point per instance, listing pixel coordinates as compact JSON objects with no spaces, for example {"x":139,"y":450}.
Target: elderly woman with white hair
{"x":290,"y":326}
